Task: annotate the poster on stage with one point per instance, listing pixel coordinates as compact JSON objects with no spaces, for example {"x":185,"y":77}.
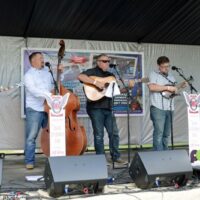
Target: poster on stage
{"x":129,"y":66}
{"x":193,"y":111}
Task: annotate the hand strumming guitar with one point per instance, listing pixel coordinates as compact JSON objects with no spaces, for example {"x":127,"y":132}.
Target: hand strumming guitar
{"x":171,"y":89}
{"x":174,"y":89}
{"x":99,"y":84}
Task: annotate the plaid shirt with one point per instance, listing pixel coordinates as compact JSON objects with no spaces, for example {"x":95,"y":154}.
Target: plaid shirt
{"x":156,"y":99}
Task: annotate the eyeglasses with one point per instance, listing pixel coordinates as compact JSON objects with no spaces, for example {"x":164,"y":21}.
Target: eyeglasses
{"x":104,"y":61}
{"x":165,"y":66}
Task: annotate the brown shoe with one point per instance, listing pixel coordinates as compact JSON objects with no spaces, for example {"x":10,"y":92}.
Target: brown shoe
{"x":109,"y":160}
{"x":120,"y":161}
{"x":29,"y":166}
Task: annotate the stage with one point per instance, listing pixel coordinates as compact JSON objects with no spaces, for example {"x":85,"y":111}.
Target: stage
{"x":122,"y":187}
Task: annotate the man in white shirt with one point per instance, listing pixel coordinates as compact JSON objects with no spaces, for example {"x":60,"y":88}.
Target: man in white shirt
{"x":161,"y":110}
{"x":38,"y":82}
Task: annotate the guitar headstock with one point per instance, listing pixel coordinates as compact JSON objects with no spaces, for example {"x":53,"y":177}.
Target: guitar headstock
{"x":190,"y":79}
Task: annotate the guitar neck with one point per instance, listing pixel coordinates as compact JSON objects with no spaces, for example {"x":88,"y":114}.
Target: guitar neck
{"x":17,"y":85}
{"x":132,"y":82}
{"x":138,"y":80}
{"x":180,"y":85}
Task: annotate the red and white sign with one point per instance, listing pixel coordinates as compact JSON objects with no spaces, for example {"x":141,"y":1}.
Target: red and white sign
{"x":193,"y":110}
{"x":57,"y":104}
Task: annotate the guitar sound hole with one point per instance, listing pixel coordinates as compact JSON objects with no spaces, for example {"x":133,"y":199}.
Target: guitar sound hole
{"x":99,"y":90}
{"x":106,"y":85}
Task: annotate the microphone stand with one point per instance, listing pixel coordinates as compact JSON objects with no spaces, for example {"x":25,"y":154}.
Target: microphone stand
{"x":113,"y":86}
{"x":128,"y":113}
{"x":192,"y":88}
{"x":172,"y":125}
{"x":54,"y":81}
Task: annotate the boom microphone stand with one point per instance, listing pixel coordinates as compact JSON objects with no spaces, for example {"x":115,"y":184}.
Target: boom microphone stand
{"x":192,"y":88}
{"x":171,"y":111}
{"x":172,"y":126}
{"x":112,"y":126}
{"x":113,"y":87}
{"x":54,"y":81}
{"x":128,"y":111}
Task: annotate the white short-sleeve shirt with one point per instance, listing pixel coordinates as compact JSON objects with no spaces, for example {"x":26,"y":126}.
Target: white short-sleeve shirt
{"x":156,"y":99}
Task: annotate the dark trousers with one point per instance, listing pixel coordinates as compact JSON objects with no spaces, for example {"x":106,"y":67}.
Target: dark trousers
{"x":103,"y":118}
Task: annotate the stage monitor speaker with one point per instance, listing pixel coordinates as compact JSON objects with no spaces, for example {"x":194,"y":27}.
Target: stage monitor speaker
{"x":85,"y":171}
{"x":160,"y":168}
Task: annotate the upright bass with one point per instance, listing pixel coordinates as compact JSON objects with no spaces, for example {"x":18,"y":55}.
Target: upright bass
{"x":76,"y":140}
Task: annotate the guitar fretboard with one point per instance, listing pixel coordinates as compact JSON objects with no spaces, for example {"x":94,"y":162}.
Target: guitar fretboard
{"x":4,"y":89}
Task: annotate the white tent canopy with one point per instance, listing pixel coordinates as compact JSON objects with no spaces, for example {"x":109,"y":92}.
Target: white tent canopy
{"x":12,"y":126}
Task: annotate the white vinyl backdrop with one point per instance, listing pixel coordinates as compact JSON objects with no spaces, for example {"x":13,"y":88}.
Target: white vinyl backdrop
{"x":12,"y":126}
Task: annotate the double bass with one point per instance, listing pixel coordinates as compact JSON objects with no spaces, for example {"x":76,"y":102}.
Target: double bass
{"x":75,"y":134}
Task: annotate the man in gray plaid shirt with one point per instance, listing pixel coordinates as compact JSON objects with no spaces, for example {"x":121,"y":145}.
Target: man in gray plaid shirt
{"x":161,"y":109}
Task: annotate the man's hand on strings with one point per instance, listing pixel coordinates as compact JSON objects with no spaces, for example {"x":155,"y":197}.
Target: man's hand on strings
{"x":171,"y":89}
{"x":99,"y":85}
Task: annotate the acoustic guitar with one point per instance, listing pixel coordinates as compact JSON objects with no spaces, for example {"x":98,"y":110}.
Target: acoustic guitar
{"x":93,"y":93}
{"x":17,"y":85}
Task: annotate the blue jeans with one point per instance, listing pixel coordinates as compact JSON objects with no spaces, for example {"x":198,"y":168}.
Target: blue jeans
{"x":34,"y":121}
{"x":162,"y":127}
{"x":103,"y":118}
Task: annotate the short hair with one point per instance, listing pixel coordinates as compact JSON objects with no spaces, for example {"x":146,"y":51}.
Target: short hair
{"x":162,"y":59}
{"x":101,"y":55}
{"x":33,"y":55}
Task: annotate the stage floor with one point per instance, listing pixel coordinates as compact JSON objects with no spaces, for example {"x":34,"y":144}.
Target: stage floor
{"x":14,"y":180}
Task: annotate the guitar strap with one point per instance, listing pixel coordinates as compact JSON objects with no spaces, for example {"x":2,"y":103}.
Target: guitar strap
{"x":165,"y":76}
{"x":170,"y":81}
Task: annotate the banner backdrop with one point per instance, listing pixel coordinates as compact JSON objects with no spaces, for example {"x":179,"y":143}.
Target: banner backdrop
{"x":128,"y":64}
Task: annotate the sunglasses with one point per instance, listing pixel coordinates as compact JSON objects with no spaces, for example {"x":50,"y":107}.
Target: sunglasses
{"x":104,"y":61}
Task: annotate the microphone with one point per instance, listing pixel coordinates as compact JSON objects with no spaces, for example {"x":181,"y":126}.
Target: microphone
{"x":48,"y":64}
{"x":112,"y":65}
{"x":175,"y":68}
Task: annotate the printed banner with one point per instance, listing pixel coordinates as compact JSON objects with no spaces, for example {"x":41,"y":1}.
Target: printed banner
{"x":128,"y":64}
{"x":193,"y":102}
{"x":57,"y":104}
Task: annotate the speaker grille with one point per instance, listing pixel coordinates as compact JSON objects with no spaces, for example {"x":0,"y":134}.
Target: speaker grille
{"x":166,"y":166}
